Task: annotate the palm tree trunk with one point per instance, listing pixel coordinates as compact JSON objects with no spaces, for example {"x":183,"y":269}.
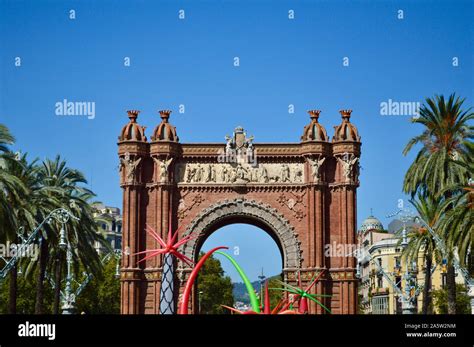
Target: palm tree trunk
{"x":41,"y":274}
{"x":470,"y":263}
{"x":57,"y":284}
{"x":450,"y":276}
{"x":451,"y":288}
{"x":167,"y":286}
{"x":12,"y":290}
{"x":427,"y":288}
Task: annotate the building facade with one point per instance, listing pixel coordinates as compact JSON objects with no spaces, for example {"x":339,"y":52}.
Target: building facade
{"x":382,"y":250}
{"x":110,"y":226}
{"x":303,"y":194}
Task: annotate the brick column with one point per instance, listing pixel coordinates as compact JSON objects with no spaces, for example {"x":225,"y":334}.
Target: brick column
{"x":131,"y":273}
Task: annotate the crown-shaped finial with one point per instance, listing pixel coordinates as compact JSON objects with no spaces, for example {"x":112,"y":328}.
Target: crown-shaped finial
{"x":346,"y":114}
{"x":314,"y":114}
{"x":133,"y":115}
{"x":165,"y":115}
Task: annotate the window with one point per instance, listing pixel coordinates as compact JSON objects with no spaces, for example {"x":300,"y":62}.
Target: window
{"x":398,"y":306}
{"x":397,"y":262}
{"x":379,"y":281}
{"x":398,"y":281}
{"x":380,"y":304}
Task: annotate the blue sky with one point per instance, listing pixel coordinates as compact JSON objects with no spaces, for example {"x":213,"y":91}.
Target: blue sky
{"x":190,"y":62}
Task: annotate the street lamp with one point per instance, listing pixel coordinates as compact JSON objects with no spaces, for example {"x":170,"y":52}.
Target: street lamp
{"x":61,"y":215}
{"x":117,"y":270}
{"x":261,"y":277}
{"x":69,"y":295}
{"x":69,"y":298}
{"x":62,"y":239}
{"x":199,"y":300}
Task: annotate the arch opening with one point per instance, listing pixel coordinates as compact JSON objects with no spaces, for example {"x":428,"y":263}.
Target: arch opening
{"x":248,"y":212}
{"x":258,"y":253}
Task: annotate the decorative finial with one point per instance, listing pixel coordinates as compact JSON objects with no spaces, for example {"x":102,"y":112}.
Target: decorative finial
{"x":346,"y":114}
{"x":314,"y":114}
{"x":165,"y":114}
{"x":371,"y":211}
{"x":133,"y":115}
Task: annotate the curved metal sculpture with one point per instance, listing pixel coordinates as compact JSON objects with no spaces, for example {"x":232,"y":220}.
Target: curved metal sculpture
{"x":253,"y":298}
{"x":192,"y":277}
{"x":304,"y":293}
{"x":280,"y":308}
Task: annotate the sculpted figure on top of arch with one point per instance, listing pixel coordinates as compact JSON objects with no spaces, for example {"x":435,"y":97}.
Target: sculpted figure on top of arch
{"x":316,"y":168}
{"x":130,"y":167}
{"x":347,"y":162}
{"x":163,"y":169}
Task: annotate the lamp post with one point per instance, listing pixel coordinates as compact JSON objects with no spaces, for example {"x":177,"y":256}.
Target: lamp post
{"x":61,"y":215}
{"x":199,"y":300}
{"x":262,"y":278}
{"x":69,"y":298}
{"x":69,"y":295}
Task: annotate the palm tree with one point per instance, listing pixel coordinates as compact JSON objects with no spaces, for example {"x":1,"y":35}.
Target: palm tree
{"x":28,"y":193}
{"x":457,"y":222}
{"x":7,"y":221}
{"x":10,"y":186}
{"x":444,"y":138}
{"x":420,"y":240}
{"x":64,"y":186}
{"x":12,"y":194}
{"x":19,"y":207}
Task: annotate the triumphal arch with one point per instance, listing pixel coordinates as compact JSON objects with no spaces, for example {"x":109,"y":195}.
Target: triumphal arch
{"x":303,"y":194}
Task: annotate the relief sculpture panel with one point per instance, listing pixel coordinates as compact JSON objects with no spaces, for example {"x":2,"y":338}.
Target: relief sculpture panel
{"x":223,"y":173}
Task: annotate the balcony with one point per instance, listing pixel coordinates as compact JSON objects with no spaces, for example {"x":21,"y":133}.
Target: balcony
{"x":379,"y":291}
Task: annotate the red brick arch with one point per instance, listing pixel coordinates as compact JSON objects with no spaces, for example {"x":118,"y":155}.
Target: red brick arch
{"x":303,"y":194}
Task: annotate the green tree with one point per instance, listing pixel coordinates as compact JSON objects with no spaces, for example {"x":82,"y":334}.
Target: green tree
{"x":11,"y":191}
{"x":25,"y":301}
{"x":275,"y":295}
{"x":65,"y":188}
{"x":458,"y":222}
{"x":102,"y":294}
{"x":214,"y":289}
{"x":29,"y":205}
{"x":445,"y":137}
{"x":10,"y":186}
{"x":422,"y":241}
{"x":463,"y":305}
{"x":28,"y":193}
